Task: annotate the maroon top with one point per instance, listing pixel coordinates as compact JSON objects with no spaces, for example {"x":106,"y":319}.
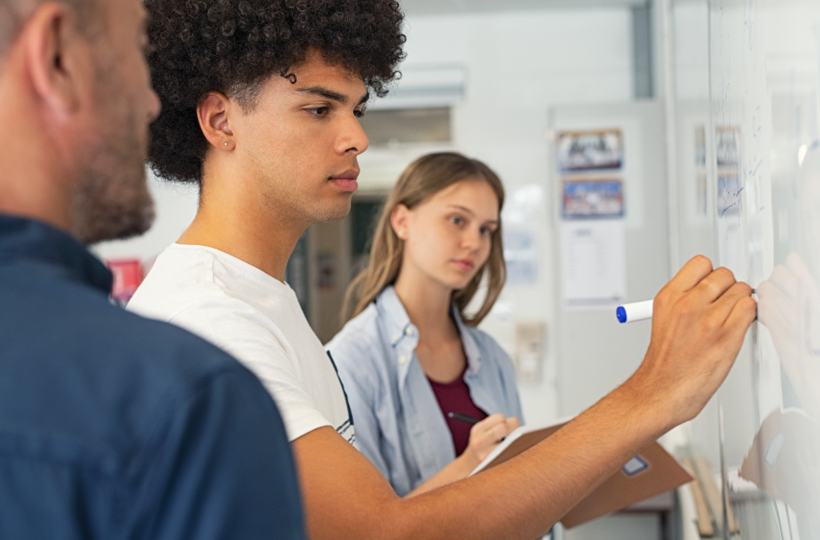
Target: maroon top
{"x":455,"y":397}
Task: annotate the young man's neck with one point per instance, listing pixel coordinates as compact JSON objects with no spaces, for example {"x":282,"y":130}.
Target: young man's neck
{"x":233,"y":220}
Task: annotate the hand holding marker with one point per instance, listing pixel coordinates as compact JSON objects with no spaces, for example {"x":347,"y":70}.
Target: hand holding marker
{"x":638,"y":311}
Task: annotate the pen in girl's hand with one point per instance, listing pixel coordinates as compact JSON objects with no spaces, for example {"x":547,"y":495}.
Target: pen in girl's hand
{"x":463,"y":417}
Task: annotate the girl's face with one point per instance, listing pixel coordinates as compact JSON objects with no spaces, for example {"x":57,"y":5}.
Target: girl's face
{"x":447,"y":237}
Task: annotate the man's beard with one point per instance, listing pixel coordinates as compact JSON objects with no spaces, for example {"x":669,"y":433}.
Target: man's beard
{"x":112,"y":200}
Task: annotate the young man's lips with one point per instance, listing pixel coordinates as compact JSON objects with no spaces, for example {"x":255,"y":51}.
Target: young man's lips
{"x":345,"y":184}
{"x":346,"y":181}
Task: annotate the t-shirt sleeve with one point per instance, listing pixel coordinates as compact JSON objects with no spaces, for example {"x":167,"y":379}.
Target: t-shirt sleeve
{"x":221,"y":469}
{"x":255,"y":341}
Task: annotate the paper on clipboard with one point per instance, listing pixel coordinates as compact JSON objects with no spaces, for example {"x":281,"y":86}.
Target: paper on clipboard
{"x":652,"y":472}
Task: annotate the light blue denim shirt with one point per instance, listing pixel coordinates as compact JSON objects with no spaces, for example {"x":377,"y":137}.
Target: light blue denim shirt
{"x":399,"y":425}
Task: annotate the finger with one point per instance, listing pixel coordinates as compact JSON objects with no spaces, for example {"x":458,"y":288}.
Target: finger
{"x":506,"y":427}
{"x":484,"y":430}
{"x":690,"y":275}
{"x":492,"y":435}
{"x":489,"y":422}
{"x":723,"y":307}
{"x":742,"y":315}
{"x":715,"y":285}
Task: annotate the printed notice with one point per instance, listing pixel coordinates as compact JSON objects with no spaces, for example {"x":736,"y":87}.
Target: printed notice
{"x":593,"y":262}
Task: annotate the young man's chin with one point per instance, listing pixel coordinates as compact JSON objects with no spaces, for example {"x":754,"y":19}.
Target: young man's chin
{"x":333,"y":211}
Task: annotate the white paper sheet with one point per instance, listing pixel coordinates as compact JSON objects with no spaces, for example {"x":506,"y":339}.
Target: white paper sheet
{"x":593,"y":262}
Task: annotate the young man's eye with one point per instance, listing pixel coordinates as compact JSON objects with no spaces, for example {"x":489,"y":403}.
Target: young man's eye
{"x":319,"y":111}
{"x":358,"y":114}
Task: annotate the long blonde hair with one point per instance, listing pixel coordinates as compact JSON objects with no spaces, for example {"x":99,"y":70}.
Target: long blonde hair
{"x":420,"y":180}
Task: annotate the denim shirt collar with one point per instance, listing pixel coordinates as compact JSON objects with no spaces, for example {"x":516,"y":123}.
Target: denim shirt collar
{"x":404,"y":336}
{"x":29,"y":239}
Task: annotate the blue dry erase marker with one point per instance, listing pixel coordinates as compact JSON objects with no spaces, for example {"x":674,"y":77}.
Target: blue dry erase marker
{"x":639,"y":311}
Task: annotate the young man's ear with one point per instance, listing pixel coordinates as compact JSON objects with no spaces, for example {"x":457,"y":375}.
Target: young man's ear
{"x":398,"y":220}
{"x":57,"y":57}
{"x":213,"y":112}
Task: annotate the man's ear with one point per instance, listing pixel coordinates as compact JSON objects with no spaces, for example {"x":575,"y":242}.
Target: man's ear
{"x":213,"y":112}
{"x":398,"y":220}
{"x":53,"y":59}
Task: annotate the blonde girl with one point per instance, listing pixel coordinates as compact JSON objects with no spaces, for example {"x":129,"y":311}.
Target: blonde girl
{"x":411,"y":356}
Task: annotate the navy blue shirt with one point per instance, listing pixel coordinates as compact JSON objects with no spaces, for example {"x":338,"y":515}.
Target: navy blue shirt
{"x":117,"y":427}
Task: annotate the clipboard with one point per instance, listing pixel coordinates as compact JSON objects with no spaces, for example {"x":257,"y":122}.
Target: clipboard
{"x":652,"y":472}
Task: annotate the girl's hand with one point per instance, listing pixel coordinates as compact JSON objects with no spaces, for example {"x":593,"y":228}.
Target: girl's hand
{"x":486,"y":435}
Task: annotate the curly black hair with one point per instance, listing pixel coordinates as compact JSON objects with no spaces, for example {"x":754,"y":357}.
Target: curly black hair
{"x":234,"y":46}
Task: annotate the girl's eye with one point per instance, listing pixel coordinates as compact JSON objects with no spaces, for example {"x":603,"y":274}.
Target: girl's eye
{"x":457,"y":220}
{"x":486,"y":231}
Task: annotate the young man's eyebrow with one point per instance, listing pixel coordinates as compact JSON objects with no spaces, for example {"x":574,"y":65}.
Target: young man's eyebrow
{"x":330,"y":94}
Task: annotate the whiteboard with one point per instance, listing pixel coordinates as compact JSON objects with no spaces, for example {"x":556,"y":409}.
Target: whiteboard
{"x":747,"y":127}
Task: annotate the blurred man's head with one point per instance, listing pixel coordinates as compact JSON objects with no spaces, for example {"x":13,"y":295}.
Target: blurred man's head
{"x":74,"y":83}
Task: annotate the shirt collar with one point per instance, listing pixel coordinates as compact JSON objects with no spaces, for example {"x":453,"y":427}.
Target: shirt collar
{"x":397,"y":322}
{"x":30,"y":239}
{"x":399,"y":328}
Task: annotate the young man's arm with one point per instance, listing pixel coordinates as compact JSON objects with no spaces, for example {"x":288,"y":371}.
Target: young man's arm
{"x":700,"y":320}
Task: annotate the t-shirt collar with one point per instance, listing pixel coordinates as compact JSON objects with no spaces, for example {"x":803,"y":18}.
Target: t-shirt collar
{"x":31,"y":239}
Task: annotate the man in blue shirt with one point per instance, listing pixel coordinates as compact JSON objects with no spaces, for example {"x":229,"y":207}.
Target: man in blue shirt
{"x":111,"y":426}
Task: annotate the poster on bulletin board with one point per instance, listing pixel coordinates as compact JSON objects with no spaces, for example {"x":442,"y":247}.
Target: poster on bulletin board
{"x":593,"y":250}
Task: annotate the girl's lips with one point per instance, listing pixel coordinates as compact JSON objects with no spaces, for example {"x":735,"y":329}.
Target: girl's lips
{"x":464,"y":264}
{"x":345,"y":184}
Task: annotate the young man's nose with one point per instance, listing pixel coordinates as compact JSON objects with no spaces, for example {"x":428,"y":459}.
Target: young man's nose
{"x":353,"y":138}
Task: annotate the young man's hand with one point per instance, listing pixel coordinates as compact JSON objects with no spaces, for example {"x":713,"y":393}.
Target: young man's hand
{"x":699,"y":321}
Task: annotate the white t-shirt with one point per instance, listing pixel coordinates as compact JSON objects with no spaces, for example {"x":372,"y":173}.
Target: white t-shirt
{"x":258,"y":320}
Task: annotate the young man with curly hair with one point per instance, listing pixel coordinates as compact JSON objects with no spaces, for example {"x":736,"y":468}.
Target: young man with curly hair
{"x":111,"y":425}
{"x":261,"y":103}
